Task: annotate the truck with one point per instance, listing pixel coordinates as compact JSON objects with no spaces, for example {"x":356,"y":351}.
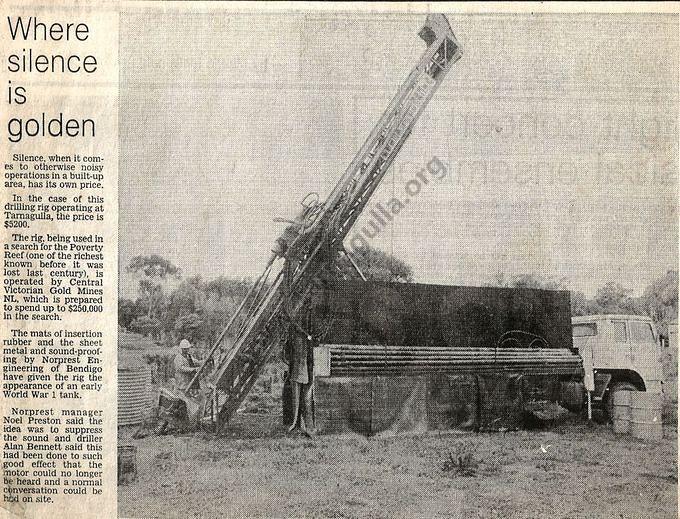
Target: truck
{"x":620,"y":353}
{"x":310,"y":247}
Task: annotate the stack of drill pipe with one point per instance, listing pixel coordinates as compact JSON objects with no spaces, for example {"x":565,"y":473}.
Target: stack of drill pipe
{"x":351,"y":359}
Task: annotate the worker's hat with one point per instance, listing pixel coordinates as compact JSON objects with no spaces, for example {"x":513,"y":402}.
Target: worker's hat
{"x":184,"y":344}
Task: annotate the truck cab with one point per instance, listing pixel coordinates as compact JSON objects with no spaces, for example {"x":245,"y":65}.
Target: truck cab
{"x":620,"y":352}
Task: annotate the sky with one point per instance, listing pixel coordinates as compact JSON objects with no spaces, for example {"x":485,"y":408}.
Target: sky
{"x":558,"y":133}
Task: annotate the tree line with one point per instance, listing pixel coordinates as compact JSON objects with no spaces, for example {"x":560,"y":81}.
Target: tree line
{"x":659,"y":300}
{"x":169,"y":307}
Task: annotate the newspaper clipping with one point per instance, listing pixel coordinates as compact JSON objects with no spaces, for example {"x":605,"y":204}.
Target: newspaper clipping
{"x":351,"y":260}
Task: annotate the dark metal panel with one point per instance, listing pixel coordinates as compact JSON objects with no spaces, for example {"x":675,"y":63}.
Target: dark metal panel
{"x":413,"y":314}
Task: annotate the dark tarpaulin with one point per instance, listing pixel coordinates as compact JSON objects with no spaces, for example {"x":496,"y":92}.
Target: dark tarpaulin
{"x":370,"y":405}
{"x":392,"y":405}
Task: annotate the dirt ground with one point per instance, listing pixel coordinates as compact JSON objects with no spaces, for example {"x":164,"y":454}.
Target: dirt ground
{"x":574,"y":470}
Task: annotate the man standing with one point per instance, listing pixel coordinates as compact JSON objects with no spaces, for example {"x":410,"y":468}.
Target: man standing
{"x":185,"y":370}
{"x":301,"y":378}
{"x":186,"y":367}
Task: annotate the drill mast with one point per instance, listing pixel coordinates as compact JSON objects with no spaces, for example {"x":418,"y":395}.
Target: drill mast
{"x":316,"y":238}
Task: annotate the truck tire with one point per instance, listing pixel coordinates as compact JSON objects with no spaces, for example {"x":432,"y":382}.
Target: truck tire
{"x":609,"y":402}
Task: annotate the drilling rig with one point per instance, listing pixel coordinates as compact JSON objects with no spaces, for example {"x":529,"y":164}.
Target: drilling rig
{"x":310,"y":245}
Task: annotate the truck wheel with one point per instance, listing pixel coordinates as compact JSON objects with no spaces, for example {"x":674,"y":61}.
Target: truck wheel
{"x":609,"y":403}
